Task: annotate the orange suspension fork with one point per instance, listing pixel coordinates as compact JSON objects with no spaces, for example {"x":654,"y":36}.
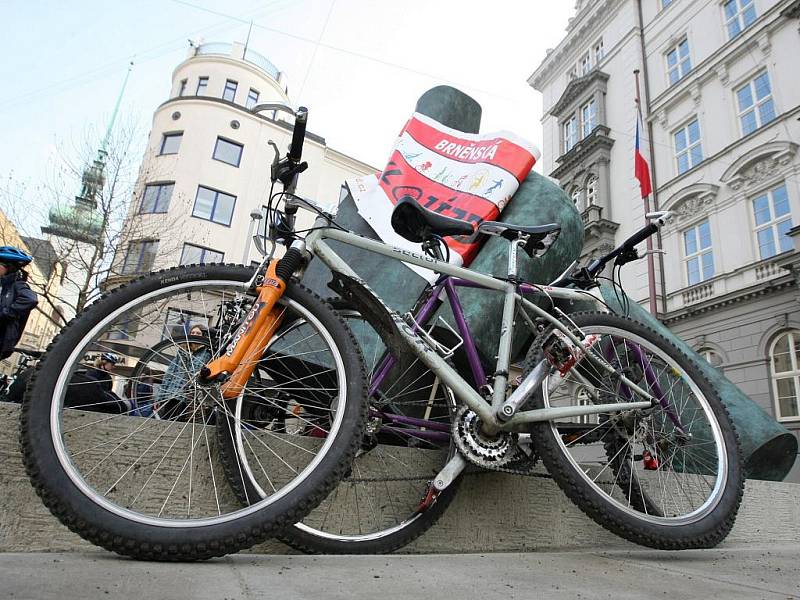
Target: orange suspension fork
{"x":245,"y":349}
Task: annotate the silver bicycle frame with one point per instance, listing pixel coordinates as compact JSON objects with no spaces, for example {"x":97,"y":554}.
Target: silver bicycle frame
{"x":315,"y":242}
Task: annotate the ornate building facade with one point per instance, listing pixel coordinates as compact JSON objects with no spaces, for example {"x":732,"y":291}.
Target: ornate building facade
{"x":721,"y":103}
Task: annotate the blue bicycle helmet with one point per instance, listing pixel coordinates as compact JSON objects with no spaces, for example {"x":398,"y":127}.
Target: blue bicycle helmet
{"x":12,"y":255}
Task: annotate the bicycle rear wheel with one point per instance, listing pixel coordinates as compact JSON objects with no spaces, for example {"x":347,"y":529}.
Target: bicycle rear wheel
{"x":668,"y":477}
{"x":384,"y":501}
{"x":154,"y":488}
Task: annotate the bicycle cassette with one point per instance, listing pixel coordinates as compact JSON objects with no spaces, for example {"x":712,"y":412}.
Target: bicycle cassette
{"x":486,"y":452}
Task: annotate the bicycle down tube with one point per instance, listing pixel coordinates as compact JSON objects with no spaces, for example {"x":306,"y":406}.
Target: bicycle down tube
{"x":486,"y":412}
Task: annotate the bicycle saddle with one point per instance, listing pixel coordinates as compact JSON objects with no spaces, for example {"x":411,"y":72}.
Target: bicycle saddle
{"x":417,"y":224}
{"x":540,"y":237}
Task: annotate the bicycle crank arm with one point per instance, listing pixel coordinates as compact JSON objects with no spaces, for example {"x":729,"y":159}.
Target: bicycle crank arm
{"x":449,"y":473}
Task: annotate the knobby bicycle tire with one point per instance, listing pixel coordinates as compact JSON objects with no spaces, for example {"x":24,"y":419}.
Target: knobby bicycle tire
{"x":693,"y":448}
{"x":104,"y":518}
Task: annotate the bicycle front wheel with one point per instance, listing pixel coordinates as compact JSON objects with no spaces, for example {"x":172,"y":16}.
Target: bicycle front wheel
{"x":385,"y":500}
{"x":668,"y":477}
{"x":154,"y":488}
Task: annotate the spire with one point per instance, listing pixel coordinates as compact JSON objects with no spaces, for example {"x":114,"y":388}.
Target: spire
{"x":80,"y":222}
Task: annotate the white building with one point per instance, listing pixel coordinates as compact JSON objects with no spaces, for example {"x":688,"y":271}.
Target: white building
{"x":721,"y":101}
{"x":207,"y":165}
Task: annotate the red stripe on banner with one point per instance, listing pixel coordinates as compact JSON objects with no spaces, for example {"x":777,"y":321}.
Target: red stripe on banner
{"x":400,"y":180}
{"x":498,"y":152}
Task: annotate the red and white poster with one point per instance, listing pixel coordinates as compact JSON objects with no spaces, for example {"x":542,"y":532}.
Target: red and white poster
{"x":470,"y":177}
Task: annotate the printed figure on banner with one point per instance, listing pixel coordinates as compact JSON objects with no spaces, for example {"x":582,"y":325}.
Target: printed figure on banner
{"x":470,"y":177}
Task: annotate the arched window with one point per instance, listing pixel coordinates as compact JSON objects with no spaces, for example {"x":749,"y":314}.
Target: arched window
{"x":591,"y":191}
{"x":582,"y":398}
{"x":785,"y":373}
{"x":711,"y":356}
{"x":576,"y":197}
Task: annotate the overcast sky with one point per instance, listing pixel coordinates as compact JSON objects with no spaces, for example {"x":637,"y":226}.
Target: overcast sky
{"x":358,"y":65}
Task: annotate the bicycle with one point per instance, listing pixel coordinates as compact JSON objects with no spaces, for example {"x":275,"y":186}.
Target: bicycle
{"x":653,"y":420}
{"x":13,"y":388}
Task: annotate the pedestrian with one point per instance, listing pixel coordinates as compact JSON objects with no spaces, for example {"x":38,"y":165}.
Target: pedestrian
{"x":140,"y":393}
{"x":173,"y":398}
{"x":17,"y":299}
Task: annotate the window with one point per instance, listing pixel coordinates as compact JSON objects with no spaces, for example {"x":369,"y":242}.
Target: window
{"x":586,"y":64}
{"x":739,"y":15}
{"x":140,"y":257}
{"x":213,"y":205}
{"x":599,"y":53}
{"x":229,"y":93}
{"x":711,"y":357}
{"x":756,"y":107}
{"x":228,"y":152}
{"x":678,"y":62}
{"x":699,"y":257}
{"x":576,"y":197}
{"x":156,"y":198}
{"x":688,"y":148}
{"x":785,"y":371}
{"x":171,"y":143}
{"x":182,"y":89}
{"x":588,"y":118}
{"x":773,"y":221}
{"x":179,"y":322}
{"x":572,"y":74}
{"x":252,"y":98}
{"x":198,"y":255}
{"x":591,"y":191}
{"x":202,"y":86}
{"x":570,"y":134}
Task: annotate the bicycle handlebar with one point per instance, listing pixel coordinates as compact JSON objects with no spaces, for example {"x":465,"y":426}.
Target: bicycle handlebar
{"x":657,"y":221}
{"x":298,"y":135}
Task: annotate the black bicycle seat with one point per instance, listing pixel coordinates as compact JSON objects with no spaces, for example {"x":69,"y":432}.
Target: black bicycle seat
{"x":539,"y":237}
{"x":417,"y":224}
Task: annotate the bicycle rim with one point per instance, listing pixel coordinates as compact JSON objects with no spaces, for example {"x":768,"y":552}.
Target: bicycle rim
{"x":166,"y":472}
{"x":667,"y":465}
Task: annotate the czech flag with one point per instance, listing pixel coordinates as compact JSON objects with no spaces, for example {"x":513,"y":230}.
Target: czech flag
{"x":641,"y":168}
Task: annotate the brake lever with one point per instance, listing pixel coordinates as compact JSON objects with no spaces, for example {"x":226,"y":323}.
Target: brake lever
{"x":275,"y":162}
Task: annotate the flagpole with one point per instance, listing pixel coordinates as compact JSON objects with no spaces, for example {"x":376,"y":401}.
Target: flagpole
{"x":651,"y":272}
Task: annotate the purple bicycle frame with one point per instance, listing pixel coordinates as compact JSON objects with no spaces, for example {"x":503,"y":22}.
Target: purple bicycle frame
{"x":434,"y":431}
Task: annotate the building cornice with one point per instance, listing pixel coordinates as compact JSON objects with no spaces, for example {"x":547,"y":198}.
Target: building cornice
{"x":580,"y":29}
{"x":741,"y":295}
{"x":758,"y":163}
{"x":337,"y":157}
{"x":792,"y":11}
{"x":178,"y":100}
{"x":757,"y":35}
{"x":576,"y":88}
{"x":598,"y":141}
{"x":690,"y":202}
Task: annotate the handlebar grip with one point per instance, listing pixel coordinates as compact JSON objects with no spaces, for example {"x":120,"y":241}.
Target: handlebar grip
{"x":299,"y":135}
{"x":641,"y":235}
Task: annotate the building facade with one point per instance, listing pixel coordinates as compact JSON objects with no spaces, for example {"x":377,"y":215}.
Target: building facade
{"x":721,"y":103}
{"x":204,"y":179}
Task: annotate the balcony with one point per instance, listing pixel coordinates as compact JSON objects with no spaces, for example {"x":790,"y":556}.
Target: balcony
{"x":237,"y":51}
{"x":754,"y":279}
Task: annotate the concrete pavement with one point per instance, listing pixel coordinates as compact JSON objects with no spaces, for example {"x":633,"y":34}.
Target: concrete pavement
{"x":732,"y":571}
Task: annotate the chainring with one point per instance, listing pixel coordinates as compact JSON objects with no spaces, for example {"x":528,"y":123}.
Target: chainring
{"x":488,"y":453}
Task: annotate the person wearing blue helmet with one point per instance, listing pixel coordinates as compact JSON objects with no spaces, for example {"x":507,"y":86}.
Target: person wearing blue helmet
{"x":17,"y":299}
